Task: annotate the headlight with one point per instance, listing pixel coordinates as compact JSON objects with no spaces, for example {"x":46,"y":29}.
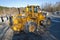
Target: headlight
{"x":23,"y":14}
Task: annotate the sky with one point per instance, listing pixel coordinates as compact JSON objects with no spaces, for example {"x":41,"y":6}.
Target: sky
{"x":23,"y":3}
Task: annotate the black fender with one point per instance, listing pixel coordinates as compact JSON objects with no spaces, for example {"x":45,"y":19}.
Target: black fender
{"x":11,"y":20}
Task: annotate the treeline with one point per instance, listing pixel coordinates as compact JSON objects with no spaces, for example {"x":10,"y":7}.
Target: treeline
{"x":8,"y":10}
{"x":1,"y":7}
{"x":51,"y":7}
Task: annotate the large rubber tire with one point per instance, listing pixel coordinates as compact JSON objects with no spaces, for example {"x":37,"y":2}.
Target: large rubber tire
{"x":10,"y":20}
{"x":45,"y":23}
{"x":30,"y":27}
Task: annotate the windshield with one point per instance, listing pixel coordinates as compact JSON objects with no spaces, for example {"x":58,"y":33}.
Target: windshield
{"x":36,"y":9}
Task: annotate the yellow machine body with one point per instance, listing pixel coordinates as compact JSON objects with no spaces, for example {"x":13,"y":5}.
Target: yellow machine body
{"x":31,"y":14}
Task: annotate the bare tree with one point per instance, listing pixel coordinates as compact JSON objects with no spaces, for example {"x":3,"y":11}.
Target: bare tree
{"x":51,"y":8}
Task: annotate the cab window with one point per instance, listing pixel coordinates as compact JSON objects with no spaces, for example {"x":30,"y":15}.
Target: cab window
{"x":35,"y":9}
{"x":30,"y":9}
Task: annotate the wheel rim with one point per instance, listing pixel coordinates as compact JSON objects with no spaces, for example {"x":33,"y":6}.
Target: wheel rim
{"x":32,"y":28}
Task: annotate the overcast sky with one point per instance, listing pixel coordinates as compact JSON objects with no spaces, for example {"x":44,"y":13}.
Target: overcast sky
{"x":22,"y":3}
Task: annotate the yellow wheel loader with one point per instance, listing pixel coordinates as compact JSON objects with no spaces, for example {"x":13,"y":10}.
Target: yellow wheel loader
{"x":29,"y":20}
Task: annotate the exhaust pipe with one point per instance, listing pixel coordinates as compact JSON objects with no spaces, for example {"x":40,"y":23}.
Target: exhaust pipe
{"x":19,"y":10}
